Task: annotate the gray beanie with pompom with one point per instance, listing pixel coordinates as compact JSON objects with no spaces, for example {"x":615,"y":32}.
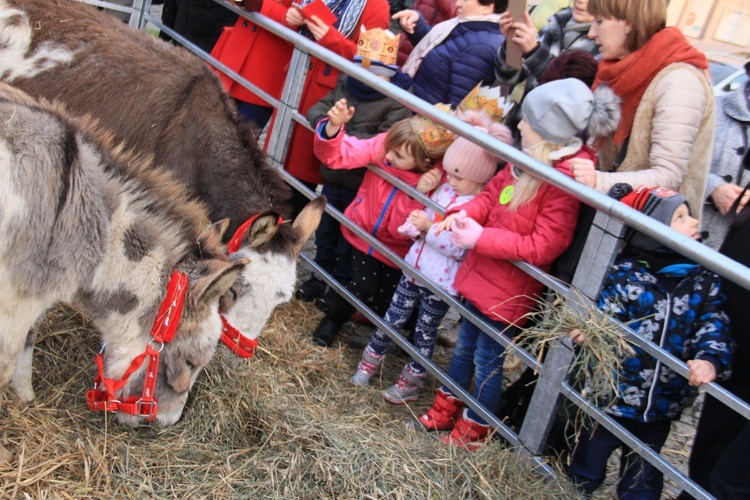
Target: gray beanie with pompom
{"x":558,"y":110}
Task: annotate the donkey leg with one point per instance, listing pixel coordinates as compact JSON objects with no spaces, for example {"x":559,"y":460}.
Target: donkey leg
{"x":12,"y":341}
{"x":20,"y":381}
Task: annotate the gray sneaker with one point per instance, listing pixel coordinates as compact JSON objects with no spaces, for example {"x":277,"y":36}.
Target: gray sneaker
{"x":397,"y":395}
{"x":361,"y":378}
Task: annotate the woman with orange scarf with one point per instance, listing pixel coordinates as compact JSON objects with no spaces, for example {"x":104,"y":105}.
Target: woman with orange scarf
{"x":666,"y":132}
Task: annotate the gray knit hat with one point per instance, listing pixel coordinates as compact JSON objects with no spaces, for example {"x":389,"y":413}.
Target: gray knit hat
{"x":558,"y":110}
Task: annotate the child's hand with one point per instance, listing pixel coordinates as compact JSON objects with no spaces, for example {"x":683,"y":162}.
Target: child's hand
{"x":429,"y":180}
{"x":466,"y":233}
{"x":407,"y":19}
{"x":337,"y":116}
{"x":420,"y":220}
{"x":317,"y":28}
{"x":584,"y":171}
{"x":578,"y":336}
{"x":294,"y":18}
{"x":447,"y":223}
{"x":701,"y":372}
{"x":409,"y":229}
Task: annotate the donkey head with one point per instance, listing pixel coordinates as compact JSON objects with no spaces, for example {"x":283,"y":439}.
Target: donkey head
{"x":195,"y":340}
{"x":269,"y":277}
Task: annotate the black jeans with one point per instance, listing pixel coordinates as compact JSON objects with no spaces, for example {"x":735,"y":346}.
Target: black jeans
{"x":638,"y":478}
{"x":333,"y":253}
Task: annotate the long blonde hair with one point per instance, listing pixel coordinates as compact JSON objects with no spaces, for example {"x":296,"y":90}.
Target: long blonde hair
{"x":526,"y":188}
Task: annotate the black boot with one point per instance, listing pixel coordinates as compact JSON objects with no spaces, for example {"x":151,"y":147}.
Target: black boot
{"x":326,"y":332}
{"x":311,"y":289}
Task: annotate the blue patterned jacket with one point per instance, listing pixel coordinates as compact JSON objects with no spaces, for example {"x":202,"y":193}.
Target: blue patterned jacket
{"x":688,"y":322}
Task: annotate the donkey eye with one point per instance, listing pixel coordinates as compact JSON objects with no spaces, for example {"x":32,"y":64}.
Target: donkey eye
{"x":190,"y":365}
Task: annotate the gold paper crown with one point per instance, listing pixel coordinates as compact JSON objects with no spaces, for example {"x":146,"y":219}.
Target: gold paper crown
{"x":486,"y":99}
{"x":377,"y":45}
{"x":433,"y":138}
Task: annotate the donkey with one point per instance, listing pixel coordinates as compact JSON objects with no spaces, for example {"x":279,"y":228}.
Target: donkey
{"x":103,"y":232}
{"x":164,"y":101}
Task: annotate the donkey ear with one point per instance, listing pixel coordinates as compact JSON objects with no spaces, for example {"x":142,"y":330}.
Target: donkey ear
{"x":212,"y":235}
{"x":217,"y":281}
{"x":307,"y":221}
{"x":262,"y":230}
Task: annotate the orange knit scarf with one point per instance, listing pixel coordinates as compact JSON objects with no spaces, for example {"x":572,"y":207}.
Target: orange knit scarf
{"x":629,"y":77}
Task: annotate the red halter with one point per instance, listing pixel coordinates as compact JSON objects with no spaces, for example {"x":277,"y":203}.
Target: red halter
{"x":234,"y":339}
{"x":102,"y":396}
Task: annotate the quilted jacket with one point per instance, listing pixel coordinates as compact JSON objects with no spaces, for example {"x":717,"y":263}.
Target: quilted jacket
{"x":452,"y":69}
{"x":434,"y":12}
{"x":688,"y":322}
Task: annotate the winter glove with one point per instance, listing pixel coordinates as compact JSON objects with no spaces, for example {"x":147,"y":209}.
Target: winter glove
{"x":466,"y":232}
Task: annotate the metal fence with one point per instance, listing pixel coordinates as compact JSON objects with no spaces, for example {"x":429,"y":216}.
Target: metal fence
{"x":603,"y":242}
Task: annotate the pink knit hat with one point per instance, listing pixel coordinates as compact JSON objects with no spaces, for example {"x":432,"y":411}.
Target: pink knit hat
{"x":467,"y":160}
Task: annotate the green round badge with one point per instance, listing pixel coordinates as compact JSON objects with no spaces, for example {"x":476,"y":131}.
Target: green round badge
{"x":506,"y":195}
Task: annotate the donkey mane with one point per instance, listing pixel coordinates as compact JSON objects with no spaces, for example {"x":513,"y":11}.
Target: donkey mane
{"x":162,"y":193}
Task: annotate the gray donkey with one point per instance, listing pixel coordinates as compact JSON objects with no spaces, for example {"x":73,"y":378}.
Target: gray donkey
{"x":84,"y":222}
{"x":162,"y":100}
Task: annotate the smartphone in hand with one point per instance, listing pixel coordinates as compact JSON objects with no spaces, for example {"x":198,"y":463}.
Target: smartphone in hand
{"x":513,"y":52}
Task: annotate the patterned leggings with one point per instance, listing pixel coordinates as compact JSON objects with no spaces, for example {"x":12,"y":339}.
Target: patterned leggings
{"x":431,"y":312}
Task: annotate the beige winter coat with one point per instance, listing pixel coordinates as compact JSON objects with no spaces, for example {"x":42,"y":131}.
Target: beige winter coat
{"x":671,"y":139}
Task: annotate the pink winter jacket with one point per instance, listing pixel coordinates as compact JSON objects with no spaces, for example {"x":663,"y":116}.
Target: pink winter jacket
{"x":379,"y":207}
{"x":538,"y":232}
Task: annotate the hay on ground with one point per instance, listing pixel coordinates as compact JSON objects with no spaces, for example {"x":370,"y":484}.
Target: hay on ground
{"x":286,"y":424}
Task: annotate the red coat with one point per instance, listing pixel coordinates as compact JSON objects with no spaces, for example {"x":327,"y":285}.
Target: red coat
{"x":263,"y":59}
{"x":246,"y":47}
{"x":379,"y":207}
{"x":538,"y":232}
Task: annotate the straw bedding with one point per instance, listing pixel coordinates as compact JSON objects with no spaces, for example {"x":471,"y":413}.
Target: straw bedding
{"x":287,"y":424}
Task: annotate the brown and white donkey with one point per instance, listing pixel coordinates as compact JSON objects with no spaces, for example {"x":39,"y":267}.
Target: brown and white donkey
{"x":163,"y":101}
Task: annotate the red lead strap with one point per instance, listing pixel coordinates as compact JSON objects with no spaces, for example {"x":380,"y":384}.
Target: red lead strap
{"x":102,"y":396}
{"x":234,"y":339}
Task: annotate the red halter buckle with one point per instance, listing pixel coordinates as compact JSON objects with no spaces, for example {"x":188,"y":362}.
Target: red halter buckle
{"x":102,"y":396}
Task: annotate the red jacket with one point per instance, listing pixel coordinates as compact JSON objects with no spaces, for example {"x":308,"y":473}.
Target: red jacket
{"x":379,"y":207}
{"x":538,"y":232}
{"x":263,"y":59}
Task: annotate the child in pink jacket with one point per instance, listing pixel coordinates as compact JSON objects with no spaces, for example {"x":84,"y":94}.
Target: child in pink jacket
{"x":400,"y":153}
{"x":468,"y":167}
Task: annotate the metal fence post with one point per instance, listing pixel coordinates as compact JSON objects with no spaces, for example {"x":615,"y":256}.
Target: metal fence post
{"x":602,"y":244}
{"x":278,"y":139}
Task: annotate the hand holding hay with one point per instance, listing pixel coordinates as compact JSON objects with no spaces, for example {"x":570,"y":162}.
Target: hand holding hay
{"x":602,"y":346}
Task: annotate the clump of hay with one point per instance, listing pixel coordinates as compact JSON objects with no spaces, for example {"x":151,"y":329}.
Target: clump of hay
{"x":598,"y":360}
{"x":286,"y":424}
